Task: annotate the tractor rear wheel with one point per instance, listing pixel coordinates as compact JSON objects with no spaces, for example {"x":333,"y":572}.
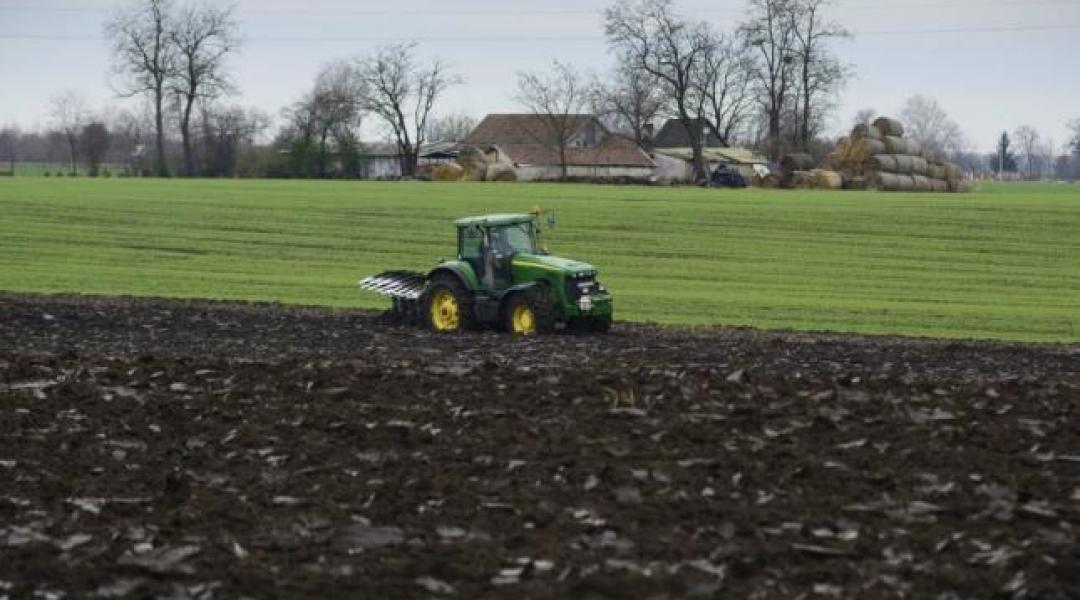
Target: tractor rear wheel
{"x":447,"y":305}
{"x":530,"y":312}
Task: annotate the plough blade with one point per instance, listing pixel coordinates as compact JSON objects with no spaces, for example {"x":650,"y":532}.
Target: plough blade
{"x":396,"y":284}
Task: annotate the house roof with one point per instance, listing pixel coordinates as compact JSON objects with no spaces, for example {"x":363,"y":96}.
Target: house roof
{"x":494,"y":220}
{"x":521,"y":138}
{"x":675,"y":134}
{"x":500,"y":129}
{"x":612,"y":152}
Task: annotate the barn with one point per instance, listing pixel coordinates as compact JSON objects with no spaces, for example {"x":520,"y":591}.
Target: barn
{"x":521,"y":142}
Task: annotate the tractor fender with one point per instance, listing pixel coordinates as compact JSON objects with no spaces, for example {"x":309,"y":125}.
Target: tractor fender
{"x":465,"y":277}
{"x":505,"y":295}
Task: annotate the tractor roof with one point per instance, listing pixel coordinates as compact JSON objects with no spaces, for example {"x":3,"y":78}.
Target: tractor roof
{"x":494,"y":220}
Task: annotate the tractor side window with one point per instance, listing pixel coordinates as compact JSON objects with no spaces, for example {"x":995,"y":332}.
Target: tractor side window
{"x":471,"y":241}
{"x":520,"y":238}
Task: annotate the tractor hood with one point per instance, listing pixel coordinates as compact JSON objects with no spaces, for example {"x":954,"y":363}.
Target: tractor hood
{"x":554,"y":263}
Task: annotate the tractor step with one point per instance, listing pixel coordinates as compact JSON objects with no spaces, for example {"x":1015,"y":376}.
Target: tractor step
{"x":408,"y":285}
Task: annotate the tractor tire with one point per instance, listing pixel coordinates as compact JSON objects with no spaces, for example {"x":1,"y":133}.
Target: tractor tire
{"x":530,"y":312}
{"x":446,"y":306}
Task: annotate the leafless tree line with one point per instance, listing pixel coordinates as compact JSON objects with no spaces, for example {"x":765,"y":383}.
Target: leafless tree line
{"x":771,"y":81}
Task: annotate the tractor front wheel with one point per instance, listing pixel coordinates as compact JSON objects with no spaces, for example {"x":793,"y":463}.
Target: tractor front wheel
{"x":530,"y":312}
{"x":447,"y":306}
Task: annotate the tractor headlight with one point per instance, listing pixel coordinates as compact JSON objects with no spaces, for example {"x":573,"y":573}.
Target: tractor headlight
{"x":585,"y":303}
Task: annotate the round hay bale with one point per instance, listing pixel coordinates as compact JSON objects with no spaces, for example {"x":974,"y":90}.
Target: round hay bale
{"x":889,"y":126}
{"x":882,"y":162}
{"x":922,"y":183}
{"x":502,"y":174}
{"x":892,"y":182}
{"x":770,"y":181}
{"x":864,"y":131}
{"x":897,"y":145}
{"x":919,"y":166}
{"x":936,"y":172}
{"x":939,"y":185}
{"x":447,"y":172}
{"x":864,"y":148}
{"x":796,"y":162}
{"x":856,"y":183}
{"x":904,"y":164}
{"x":821,"y":179}
{"x":798,"y":180}
{"x":953,"y":172}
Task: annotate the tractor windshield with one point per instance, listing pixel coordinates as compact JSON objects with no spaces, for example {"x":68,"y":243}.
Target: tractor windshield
{"x":514,"y":239}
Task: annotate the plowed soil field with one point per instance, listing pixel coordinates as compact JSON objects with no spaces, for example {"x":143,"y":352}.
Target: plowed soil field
{"x":210,"y":450}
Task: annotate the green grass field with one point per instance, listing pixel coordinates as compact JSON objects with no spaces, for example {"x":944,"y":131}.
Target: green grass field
{"x":1003,"y":263}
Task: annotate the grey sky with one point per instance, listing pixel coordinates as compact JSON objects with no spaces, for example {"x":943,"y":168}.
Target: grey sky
{"x":993,"y":65}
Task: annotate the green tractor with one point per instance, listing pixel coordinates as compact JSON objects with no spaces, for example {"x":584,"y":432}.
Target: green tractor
{"x":502,"y":277}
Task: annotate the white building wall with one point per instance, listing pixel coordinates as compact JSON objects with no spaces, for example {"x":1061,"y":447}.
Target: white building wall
{"x":550,"y":173}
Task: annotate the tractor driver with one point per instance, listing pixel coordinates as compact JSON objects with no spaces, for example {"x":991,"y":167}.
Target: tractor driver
{"x":500,"y":245}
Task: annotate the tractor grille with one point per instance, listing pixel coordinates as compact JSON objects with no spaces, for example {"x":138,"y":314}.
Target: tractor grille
{"x":578,"y":286}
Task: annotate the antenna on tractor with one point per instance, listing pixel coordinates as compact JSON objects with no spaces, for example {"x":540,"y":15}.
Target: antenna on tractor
{"x":543,"y":220}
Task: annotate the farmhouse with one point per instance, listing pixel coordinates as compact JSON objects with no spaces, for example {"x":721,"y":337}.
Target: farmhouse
{"x":673,"y":156}
{"x":676,"y":134}
{"x":523,"y":143}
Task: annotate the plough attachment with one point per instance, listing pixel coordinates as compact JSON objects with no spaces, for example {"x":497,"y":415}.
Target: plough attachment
{"x":404,"y":285}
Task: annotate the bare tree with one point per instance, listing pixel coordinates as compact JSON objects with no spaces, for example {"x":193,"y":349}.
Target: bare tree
{"x":820,"y":73}
{"x":450,"y":128}
{"x":94,"y":140}
{"x":926,"y":122}
{"x":68,"y":117}
{"x":146,"y":57}
{"x":1027,"y":140}
{"x":558,"y":99}
{"x":864,"y":116}
{"x":331,"y":112}
{"x":728,"y":88}
{"x":203,"y":37}
{"x":771,"y":35}
{"x":226,"y":131}
{"x":630,"y":101}
{"x":649,"y":36}
{"x":9,"y":146}
{"x":1074,"y":143}
{"x":402,"y":93}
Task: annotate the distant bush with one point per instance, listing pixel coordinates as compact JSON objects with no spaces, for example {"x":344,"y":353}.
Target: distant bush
{"x":106,"y":173}
{"x":47,"y":173}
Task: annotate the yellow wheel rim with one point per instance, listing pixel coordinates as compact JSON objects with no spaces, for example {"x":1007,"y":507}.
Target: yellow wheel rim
{"x":444,"y":311}
{"x":523,"y":320}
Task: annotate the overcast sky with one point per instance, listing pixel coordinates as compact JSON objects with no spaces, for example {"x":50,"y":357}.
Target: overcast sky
{"x":992,"y":64}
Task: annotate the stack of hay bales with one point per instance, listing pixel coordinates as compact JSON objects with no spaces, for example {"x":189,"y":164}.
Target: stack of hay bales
{"x":878,"y":156}
{"x":797,"y":171}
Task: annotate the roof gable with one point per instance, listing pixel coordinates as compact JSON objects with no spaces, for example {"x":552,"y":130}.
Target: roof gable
{"x":675,"y":134}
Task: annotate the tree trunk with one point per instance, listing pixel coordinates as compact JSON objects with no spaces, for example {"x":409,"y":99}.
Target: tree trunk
{"x":562,"y":162}
{"x":185,"y":134}
{"x":160,"y":169}
{"x":805,"y":134}
{"x":322,"y":154}
{"x":72,"y":142}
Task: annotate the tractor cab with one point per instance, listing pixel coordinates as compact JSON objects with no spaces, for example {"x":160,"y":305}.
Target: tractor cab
{"x":488,"y":244}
